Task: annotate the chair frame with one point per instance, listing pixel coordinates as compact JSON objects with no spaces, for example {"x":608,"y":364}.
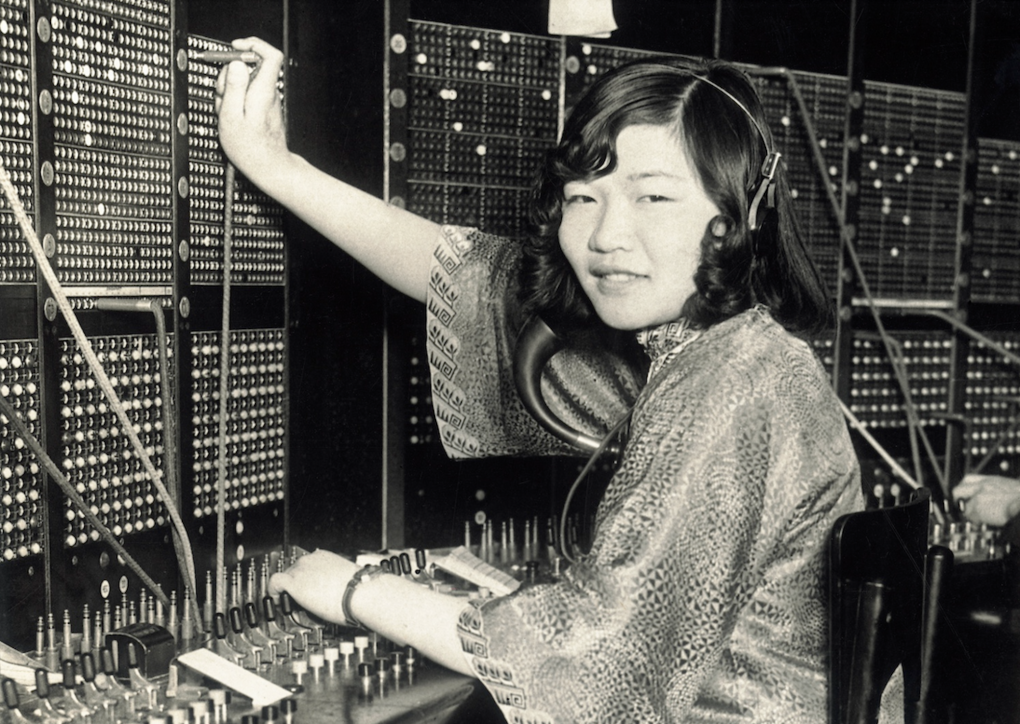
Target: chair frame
{"x":881,"y":610}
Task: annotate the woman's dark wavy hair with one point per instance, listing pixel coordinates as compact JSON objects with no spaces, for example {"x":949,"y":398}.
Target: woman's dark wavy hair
{"x":769,"y":266}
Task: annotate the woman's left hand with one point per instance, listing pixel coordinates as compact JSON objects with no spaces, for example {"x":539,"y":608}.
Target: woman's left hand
{"x":317,"y":583}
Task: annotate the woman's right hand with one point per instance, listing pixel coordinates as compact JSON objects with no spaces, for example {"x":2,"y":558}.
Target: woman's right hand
{"x":389,"y":241}
{"x":250,"y":112}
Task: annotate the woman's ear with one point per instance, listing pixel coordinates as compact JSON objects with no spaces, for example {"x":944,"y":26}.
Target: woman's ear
{"x":719,"y":228}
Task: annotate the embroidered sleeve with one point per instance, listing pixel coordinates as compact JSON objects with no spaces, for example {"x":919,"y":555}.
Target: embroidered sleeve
{"x":471,"y":329}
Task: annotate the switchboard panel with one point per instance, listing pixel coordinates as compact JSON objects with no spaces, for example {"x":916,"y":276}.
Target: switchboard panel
{"x":482,"y":105}
{"x":109,"y":136}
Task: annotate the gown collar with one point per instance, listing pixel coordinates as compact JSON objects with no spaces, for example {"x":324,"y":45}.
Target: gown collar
{"x":664,"y":343}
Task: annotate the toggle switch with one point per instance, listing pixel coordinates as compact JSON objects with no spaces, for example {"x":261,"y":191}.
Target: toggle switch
{"x":304,"y":626}
{"x":220,"y":645}
{"x":288,"y":707}
{"x":365,"y":671}
{"x":287,"y":608}
{"x":299,"y":668}
{"x":347,"y":650}
{"x":316,"y":661}
{"x":46,"y":709}
{"x":12,"y":701}
{"x":241,"y":642}
{"x":397,"y":660}
{"x":382,"y":668}
{"x":361,"y":644}
{"x":273,"y":628}
{"x":199,"y":712}
{"x":112,"y":686}
{"x":331,"y":654}
{"x":95,"y":698}
{"x":219,"y":698}
{"x":256,"y":634}
{"x":74,"y":706}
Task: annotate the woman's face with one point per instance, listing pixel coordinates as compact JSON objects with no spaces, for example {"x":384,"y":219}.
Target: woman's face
{"x":633,"y":237}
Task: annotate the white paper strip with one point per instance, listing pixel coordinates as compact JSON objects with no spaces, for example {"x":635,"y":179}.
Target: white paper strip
{"x":261,"y":691}
{"x":588,"y":18}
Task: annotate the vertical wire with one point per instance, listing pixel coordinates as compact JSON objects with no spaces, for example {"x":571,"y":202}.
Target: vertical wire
{"x":221,"y":479}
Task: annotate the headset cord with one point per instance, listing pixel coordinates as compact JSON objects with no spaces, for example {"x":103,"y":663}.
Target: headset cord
{"x":603,"y":446}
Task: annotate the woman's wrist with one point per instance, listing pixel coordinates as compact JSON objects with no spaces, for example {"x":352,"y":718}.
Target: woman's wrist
{"x":278,"y":175}
{"x":361,"y":576}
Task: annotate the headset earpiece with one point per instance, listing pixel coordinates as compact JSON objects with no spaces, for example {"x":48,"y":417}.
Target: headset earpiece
{"x":765,"y":190}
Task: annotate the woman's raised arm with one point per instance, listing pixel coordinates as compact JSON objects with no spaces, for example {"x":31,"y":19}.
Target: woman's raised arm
{"x":393,"y":243}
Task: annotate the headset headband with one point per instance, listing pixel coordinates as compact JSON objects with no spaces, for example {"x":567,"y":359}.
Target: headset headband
{"x":765,"y":189}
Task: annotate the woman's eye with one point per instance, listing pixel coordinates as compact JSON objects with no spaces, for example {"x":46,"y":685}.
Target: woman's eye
{"x":578,"y":199}
{"x":654,"y":198}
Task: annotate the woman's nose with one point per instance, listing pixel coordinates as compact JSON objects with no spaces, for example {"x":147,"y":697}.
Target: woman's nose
{"x":613,"y":229}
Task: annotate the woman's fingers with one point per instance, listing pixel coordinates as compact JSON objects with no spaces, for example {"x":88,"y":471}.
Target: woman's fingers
{"x":232,"y":100}
{"x":240,"y":91}
{"x":316,"y":582}
{"x":279,"y":582}
{"x":262,"y":87}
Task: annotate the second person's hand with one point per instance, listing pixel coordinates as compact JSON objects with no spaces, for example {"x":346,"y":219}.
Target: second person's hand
{"x":991,"y":499}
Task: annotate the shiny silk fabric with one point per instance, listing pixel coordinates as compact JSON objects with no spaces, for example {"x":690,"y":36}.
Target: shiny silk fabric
{"x":703,"y":596}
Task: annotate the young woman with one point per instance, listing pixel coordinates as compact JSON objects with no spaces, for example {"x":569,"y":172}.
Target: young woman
{"x":658,"y":217}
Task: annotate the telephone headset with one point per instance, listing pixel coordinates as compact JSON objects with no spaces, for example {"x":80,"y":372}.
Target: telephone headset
{"x":537,"y":342}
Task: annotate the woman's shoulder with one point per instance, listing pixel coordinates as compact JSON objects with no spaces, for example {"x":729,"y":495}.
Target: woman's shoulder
{"x":471,"y":241}
{"x":465,"y":250}
{"x":756,"y":332}
{"x":756,"y":354}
